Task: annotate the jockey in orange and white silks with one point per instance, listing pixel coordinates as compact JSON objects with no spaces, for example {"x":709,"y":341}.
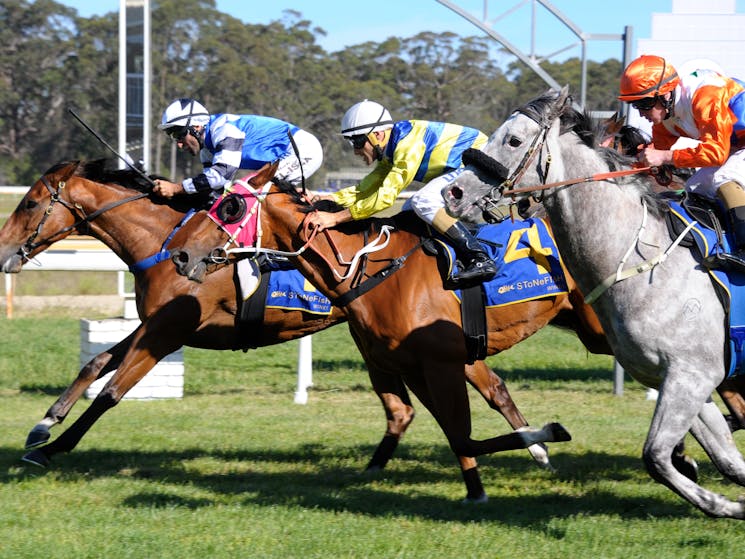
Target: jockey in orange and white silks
{"x":226,"y":143}
{"x":702,"y":104}
{"x":403,"y":152}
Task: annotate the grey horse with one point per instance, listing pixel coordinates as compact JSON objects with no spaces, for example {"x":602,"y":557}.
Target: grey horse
{"x":655,"y":301}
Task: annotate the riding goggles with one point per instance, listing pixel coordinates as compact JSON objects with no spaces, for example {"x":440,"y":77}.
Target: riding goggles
{"x":178,"y":133}
{"x":358,"y":141}
{"x":645,"y":103}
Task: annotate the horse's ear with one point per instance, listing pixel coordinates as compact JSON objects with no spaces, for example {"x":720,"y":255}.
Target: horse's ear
{"x":612,"y":124}
{"x":563,"y":96}
{"x":265,"y":174}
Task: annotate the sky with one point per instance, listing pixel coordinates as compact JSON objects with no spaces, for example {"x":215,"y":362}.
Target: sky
{"x":349,"y":23}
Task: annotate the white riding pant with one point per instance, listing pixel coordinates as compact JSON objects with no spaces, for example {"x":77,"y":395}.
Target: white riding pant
{"x":428,"y":200}
{"x":311,"y":157}
{"x":707,"y":180}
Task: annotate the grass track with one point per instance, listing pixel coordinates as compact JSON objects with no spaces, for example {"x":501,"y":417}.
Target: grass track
{"x":235,"y":469}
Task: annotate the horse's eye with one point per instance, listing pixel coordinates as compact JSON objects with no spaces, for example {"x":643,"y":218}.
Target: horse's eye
{"x":30,"y":204}
{"x":515,"y":142}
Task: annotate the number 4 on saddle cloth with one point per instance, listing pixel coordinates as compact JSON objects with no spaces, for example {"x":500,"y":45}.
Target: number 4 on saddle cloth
{"x":528,"y":262}
{"x":710,"y":240}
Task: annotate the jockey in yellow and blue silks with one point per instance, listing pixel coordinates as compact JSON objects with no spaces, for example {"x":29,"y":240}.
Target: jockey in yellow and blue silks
{"x":408,"y":151}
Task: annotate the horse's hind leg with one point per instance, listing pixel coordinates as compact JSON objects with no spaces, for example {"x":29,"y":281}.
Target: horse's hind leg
{"x":678,"y":405}
{"x":96,"y":368}
{"x":712,"y":432}
{"x":494,"y":391}
{"x":399,"y":413}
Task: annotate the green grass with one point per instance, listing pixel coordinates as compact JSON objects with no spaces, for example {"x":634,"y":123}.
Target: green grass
{"x":235,"y":469}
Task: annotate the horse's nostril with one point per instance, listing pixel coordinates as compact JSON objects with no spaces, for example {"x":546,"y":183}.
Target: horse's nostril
{"x":181,"y":257}
{"x":456,"y":192}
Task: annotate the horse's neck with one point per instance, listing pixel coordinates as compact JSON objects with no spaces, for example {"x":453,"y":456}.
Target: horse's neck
{"x":133,"y":230}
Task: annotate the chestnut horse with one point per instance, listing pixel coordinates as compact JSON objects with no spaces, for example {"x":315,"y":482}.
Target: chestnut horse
{"x":407,"y":326}
{"x":114,"y":207}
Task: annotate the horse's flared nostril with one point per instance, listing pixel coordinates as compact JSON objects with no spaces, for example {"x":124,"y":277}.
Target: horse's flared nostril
{"x":456,"y":192}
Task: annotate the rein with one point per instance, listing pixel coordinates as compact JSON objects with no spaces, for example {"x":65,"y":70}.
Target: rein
{"x":600,"y":177}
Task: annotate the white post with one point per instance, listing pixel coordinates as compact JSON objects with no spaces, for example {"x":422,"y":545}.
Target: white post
{"x":304,"y":370}
{"x":122,"y":80}
{"x":146,"y":84}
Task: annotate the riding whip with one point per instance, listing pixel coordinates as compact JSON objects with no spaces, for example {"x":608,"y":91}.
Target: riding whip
{"x":112,"y":150}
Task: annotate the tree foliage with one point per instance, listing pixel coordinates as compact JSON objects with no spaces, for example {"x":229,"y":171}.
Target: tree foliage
{"x":51,"y":60}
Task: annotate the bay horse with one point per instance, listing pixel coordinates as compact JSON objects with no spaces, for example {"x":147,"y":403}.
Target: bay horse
{"x":114,"y":207}
{"x":656,"y":302}
{"x":407,"y":326}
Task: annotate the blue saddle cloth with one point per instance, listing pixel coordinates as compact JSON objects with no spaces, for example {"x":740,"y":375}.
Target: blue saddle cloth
{"x":289,"y":290}
{"x":529,"y":265}
{"x":731,"y":283}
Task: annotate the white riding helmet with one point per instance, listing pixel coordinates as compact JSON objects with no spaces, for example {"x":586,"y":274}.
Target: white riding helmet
{"x":184,"y":112}
{"x":365,"y":117}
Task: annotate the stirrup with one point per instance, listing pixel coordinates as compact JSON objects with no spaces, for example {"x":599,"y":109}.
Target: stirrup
{"x":482,"y":271}
{"x":730,"y":262}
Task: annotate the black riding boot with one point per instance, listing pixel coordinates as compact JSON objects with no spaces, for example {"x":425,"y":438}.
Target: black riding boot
{"x":476,"y":266}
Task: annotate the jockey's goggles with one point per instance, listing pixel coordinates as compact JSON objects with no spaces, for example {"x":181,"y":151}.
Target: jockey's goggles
{"x":358,"y":141}
{"x":178,"y":133}
{"x":645,"y":103}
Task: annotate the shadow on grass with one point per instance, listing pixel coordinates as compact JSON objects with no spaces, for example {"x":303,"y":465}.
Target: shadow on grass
{"x":323,"y":480}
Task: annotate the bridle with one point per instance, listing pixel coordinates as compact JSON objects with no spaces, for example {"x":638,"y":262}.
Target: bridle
{"x":55,"y":196}
{"x":489,"y":203}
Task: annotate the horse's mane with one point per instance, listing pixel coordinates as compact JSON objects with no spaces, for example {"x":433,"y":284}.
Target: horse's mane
{"x":104,"y":171}
{"x":544,"y":108}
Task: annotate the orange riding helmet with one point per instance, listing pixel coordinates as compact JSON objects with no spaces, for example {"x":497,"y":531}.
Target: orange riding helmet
{"x":647,"y":76}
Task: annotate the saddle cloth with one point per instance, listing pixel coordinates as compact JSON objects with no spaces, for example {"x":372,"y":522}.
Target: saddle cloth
{"x":528,"y":262}
{"x":730,"y":285}
{"x":287,"y":289}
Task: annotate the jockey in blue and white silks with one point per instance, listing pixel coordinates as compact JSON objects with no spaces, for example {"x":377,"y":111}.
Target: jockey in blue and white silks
{"x":228,"y":142}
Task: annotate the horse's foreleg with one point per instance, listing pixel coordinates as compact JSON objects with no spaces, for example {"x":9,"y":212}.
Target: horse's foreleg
{"x":468,"y":466}
{"x":493,"y":389}
{"x":147,"y":348}
{"x":96,"y":368}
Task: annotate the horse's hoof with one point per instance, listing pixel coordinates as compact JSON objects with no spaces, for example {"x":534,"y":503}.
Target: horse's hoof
{"x":38,"y":436}
{"x":37,"y":458}
{"x":558,"y":433}
{"x":483,"y":498}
